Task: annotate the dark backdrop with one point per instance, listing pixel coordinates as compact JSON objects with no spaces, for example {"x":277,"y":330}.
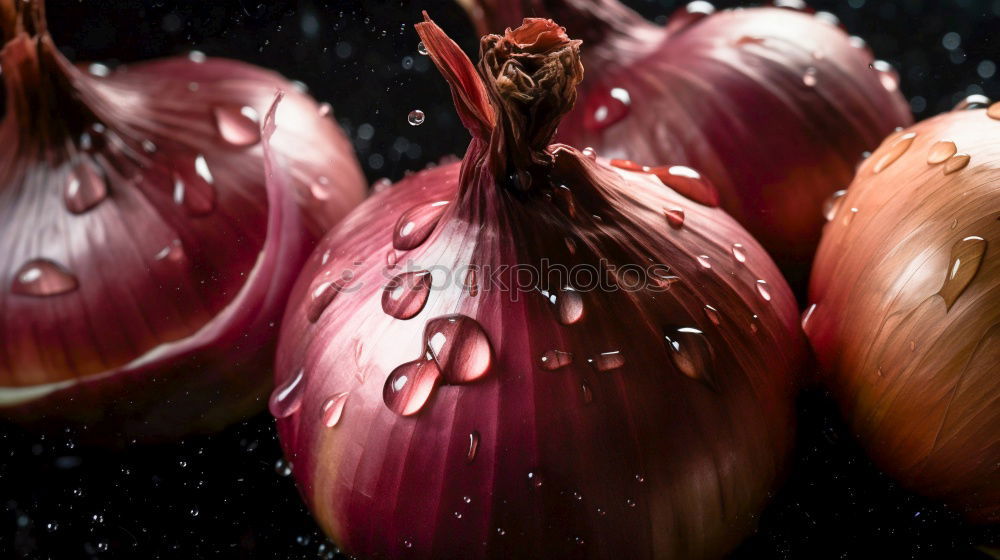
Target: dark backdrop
{"x":225,"y":496}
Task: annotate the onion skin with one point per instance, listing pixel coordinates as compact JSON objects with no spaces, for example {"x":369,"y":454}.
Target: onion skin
{"x":906,"y":323}
{"x":545,"y":455}
{"x":727,"y":94}
{"x":169,"y":319}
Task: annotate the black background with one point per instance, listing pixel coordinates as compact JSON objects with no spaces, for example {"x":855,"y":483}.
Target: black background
{"x":223,"y":496}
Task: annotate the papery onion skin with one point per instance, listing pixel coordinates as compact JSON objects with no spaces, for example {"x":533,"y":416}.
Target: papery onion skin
{"x":582,"y":438}
{"x":775,"y":106}
{"x":906,"y":316}
{"x":179,"y":258}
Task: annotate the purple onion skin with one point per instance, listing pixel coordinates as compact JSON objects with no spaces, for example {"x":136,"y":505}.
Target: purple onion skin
{"x":606,"y":455}
{"x":775,"y":106}
{"x":905,"y":320}
{"x":154,"y":314}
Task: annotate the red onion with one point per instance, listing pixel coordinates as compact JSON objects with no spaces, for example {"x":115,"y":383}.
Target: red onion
{"x":774,"y":106}
{"x":438,"y":399}
{"x":144,"y":261}
{"x":906,"y":319}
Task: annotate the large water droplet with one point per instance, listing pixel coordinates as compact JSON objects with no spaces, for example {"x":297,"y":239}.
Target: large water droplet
{"x":287,"y":397}
{"x":689,"y":183}
{"x":941,"y":151}
{"x":691,"y":352}
{"x":966,"y":257}
{"x":955,"y":163}
{"x":43,"y":277}
{"x":555,"y":359}
{"x":237,"y":125}
{"x":473,"y":450}
{"x":976,"y":101}
{"x":460,"y":347}
{"x":607,"y":109}
{"x":409,"y":386}
{"x":570,"y":306}
{"x":887,"y":75}
{"x":739,"y":253}
{"x":415,"y":118}
{"x":422,"y":48}
{"x":333,"y":409}
{"x":405,"y":295}
{"x":416,"y":224}
{"x":764,"y":290}
{"x":607,"y":361}
{"x":84,"y":188}
{"x":321,"y":297}
{"x":675,"y":217}
{"x":894,"y":151}
{"x":590,"y":153}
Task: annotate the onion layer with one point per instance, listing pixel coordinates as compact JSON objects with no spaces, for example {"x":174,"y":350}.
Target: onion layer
{"x":906,"y":312}
{"x":448,"y":388}
{"x":144,"y":261}
{"x":774,"y":106}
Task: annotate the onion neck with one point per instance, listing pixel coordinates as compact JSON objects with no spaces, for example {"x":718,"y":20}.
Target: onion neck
{"x":612,"y":34}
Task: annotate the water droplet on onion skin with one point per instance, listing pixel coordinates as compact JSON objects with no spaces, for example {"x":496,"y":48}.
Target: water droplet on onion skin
{"x":416,"y":117}
{"x":966,"y":258}
{"x":607,"y":108}
{"x":747,"y":40}
{"x":894,"y":151}
{"x":325,"y":109}
{"x":174,"y":252}
{"x":590,"y":153}
{"x":320,"y":298}
{"x":84,"y":188}
{"x":286,"y":399}
{"x":43,"y":278}
{"x":570,"y":306}
{"x":237,"y":125}
{"x":806,"y":316}
{"x":473,"y":449}
{"x":607,"y":361}
{"x":555,"y":359}
{"x":391,"y":260}
{"x":405,"y":295}
{"x":941,"y":151}
{"x":675,"y":217}
{"x":849,"y":216}
{"x":754,"y":321}
{"x":535,"y":480}
{"x":972,"y":102}
{"x":688,"y":183}
{"x":333,"y":409}
{"x":739,"y":253}
{"x":712,"y":314}
{"x":416,"y":225}
{"x":832,"y":204}
{"x":688,"y":15}
{"x":586,"y":393}
{"x":809,"y":78}
{"x":764,"y":290}
{"x":887,"y":75}
{"x":471,"y":282}
{"x":691,"y":352}
{"x":410,"y":386}
{"x":460,"y":347}
{"x":955,"y":163}
{"x":704,"y":261}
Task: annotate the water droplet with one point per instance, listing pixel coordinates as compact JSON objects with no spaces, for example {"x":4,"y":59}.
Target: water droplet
{"x":381,"y":184}
{"x":607,"y":361}
{"x":857,"y":42}
{"x":570,"y":306}
{"x":966,"y":257}
{"x":630,"y":502}
{"x":640,"y":479}
{"x":691,"y":352}
{"x":894,"y":152}
{"x":686,"y":16}
{"x":325,"y":109}
{"x":174,"y":252}
{"x":832,"y":204}
{"x":422,"y":48}
{"x":971,"y":102}
{"x":941,"y":151}
{"x":746,"y":40}
{"x":197,"y":57}
{"x":993,"y":111}
{"x":43,"y":277}
{"x":84,"y":188}
{"x":704,"y":261}
{"x":391,"y":260}
{"x":764,"y":290}
{"x":416,"y":225}
{"x":460,"y":347}
{"x":849,"y":216}
{"x":689,"y":183}
{"x":586,"y":393}
{"x":956,"y":163}
{"x":99,"y":70}
{"x":555,"y":359}
{"x":287,"y":397}
{"x":194,"y":191}
{"x":739,"y":253}
{"x":406,"y":294}
{"x":148,"y":146}
{"x":415,"y":118}
{"x":754,"y":321}
{"x":470,"y":454}
{"x":590,"y":153}
{"x":471,"y":282}
{"x":607,"y":109}
{"x":409,"y":386}
{"x":809,"y":78}
{"x":887,"y":75}
{"x":797,"y":5}
{"x":237,"y":125}
{"x":283,"y":467}
{"x":535,"y":479}
{"x":333,"y":409}
{"x":712,"y":314}
{"x":806,"y":316}
{"x":954,"y":223}
{"x":827,"y":18}
{"x":318,"y":190}
{"x":321,"y":297}
{"x":675,"y":217}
